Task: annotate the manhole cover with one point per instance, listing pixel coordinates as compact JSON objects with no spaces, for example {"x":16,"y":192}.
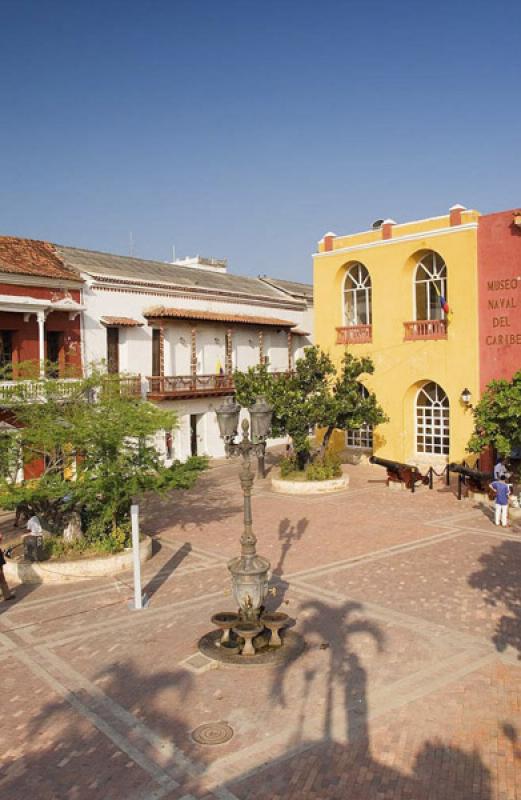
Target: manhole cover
{"x":212,"y":733}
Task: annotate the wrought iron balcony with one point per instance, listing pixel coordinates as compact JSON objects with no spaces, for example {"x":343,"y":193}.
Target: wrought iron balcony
{"x":425,"y":329}
{"x":354,"y":334}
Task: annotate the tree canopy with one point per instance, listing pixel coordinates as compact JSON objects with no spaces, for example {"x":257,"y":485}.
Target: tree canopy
{"x":96,"y":448}
{"x":497,"y":417}
{"x":312,"y":396}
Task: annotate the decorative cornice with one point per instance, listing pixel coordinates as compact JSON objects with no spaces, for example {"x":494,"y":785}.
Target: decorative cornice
{"x":411,"y":237}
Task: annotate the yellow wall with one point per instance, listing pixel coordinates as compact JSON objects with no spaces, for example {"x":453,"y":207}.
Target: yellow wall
{"x":401,"y":367}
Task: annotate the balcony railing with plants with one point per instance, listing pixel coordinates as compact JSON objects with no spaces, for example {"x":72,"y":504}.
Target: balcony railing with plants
{"x":425,"y":329}
{"x":354,"y":334}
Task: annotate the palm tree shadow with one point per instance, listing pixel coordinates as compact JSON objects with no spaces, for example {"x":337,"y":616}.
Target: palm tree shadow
{"x":124,"y":706}
{"x":289,"y":533}
{"x":347,"y":768}
{"x":345,"y":672}
{"x":135,"y":712}
{"x":498,"y":581}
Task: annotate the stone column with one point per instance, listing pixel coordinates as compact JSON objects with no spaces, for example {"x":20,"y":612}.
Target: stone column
{"x":261,"y":347}
{"x":290,"y":351}
{"x":228,"y":366}
{"x":40,"y":318}
{"x":162,"y":350}
{"x":193,"y":354}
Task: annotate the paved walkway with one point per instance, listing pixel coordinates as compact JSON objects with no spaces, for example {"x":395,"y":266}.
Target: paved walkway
{"x":409,"y":687}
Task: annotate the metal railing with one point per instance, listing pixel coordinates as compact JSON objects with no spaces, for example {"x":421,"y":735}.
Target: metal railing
{"x":36,"y":391}
{"x":425,"y":329}
{"x":354,"y":334}
{"x":39,"y":391}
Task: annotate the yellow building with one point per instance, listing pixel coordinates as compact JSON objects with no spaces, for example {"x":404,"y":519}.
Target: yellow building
{"x":407,"y":296}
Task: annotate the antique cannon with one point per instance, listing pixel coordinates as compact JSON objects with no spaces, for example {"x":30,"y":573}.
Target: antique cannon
{"x":401,"y":473}
{"x":475,"y":480}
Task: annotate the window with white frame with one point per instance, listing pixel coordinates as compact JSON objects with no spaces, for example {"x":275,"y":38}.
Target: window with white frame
{"x":357,"y":296}
{"x":361,"y":437}
{"x":430,"y":286}
{"x":432,"y":420}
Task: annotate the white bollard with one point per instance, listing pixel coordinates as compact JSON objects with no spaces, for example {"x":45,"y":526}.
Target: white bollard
{"x":140,"y":600}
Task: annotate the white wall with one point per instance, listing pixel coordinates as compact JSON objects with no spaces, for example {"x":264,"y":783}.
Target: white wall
{"x":136,"y":347}
{"x":135,"y":352}
{"x":209,"y":440}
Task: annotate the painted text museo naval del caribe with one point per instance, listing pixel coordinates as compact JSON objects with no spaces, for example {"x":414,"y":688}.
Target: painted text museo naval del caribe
{"x":503,"y":304}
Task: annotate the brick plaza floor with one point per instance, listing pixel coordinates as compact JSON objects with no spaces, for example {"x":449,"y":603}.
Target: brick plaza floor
{"x":408,"y":688}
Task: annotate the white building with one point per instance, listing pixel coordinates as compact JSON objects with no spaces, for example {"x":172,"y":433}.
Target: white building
{"x":185,"y":327}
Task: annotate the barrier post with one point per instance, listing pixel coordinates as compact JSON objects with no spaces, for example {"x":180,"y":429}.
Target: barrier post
{"x":140,"y":600}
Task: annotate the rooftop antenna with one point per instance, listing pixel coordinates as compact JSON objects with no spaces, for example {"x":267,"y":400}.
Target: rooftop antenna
{"x":131,"y":244}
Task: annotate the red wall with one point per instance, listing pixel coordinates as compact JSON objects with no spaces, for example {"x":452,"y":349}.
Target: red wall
{"x":25,"y":338}
{"x":499,"y":276}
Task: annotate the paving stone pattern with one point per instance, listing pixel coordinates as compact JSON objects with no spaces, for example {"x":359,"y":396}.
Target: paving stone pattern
{"x":408,"y":688}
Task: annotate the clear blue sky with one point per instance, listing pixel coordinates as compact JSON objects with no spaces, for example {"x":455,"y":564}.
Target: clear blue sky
{"x":247,"y":129}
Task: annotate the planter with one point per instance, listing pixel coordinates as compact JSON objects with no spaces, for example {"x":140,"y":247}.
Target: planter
{"x":75,"y":570}
{"x":283,"y":486}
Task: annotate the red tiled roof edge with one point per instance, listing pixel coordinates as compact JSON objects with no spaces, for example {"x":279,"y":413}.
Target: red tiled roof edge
{"x":33,"y":257}
{"x":121,"y":322}
{"x":161,"y":312}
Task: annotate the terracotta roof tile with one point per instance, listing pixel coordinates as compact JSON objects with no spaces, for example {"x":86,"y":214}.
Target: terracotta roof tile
{"x":33,"y":257}
{"x":162,"y":312}
{"x":121,"y":322}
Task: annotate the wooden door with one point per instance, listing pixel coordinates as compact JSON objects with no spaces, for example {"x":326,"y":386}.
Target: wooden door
{"x":54,"y":347}
{"x":113,"y":350}
{"x":156,"y":352}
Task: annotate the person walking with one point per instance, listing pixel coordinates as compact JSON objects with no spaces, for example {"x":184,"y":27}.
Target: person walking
{"x":502,"y":491}
{"x":7,"y":593}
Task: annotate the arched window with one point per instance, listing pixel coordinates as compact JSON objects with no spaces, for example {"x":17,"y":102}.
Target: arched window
{"x":357,"y":296}
{"x":432,"y":420}
{"x":430,"y":285}
{"x":362,"y":437}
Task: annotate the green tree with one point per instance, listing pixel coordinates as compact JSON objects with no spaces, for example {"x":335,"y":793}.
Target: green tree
{"x":313,"y":396}
{"x":96,"y":445}
{"x":497,"y":417}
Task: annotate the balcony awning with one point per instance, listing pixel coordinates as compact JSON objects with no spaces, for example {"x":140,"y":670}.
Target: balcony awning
{"x":162,"y":312}
{"x":30,"y":305}
{"x":300,"y":332}
{"x":120,"y":322}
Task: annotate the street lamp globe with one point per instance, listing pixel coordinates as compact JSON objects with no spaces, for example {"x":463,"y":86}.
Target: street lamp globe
{"x":228,"y":418}
{"x":260,"y":415}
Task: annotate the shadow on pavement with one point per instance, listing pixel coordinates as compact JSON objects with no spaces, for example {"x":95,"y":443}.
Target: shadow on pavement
{"x":165,"y":572}
{"x":324,"y":769}
{"x":499,"y":581}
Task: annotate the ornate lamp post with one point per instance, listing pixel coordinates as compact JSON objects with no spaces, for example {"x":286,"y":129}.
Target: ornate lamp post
{"x":249,"y":571}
